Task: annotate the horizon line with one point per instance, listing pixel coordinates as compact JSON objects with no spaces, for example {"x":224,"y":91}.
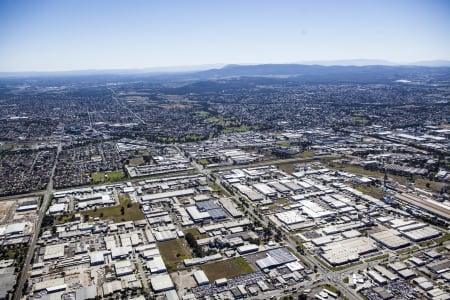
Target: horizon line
{"x":203,"y":67}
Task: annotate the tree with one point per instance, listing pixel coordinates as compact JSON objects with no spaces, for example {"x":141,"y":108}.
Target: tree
{"x":198,"y":251}
{"x":122,"y":210}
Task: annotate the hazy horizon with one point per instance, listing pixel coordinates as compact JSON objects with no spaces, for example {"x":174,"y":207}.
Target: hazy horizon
{"x":49,"y":36}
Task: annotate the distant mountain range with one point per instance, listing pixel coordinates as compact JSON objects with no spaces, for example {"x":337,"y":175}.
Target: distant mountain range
{"x":377,"y":62}
{"x":310,"y":68}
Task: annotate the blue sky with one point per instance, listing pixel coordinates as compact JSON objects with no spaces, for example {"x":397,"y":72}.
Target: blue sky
{"x":113,"y":34}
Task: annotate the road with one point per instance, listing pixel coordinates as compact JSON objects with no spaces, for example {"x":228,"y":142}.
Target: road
{"x":38,"y":223}
{"x":125,"y":107}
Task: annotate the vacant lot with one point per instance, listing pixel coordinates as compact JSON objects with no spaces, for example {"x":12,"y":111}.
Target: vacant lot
{"x":100,"y":177}
{"x":227,"y":268}
{"x":126,"y":211}
{"x":174,"y":252}
{"x":371,"y":191}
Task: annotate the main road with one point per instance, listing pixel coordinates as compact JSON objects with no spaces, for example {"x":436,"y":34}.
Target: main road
{"x":125,"y":107}
{"x":37,"y":228}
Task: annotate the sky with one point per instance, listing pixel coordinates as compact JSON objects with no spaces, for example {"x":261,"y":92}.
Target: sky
{"x":61,"y":35}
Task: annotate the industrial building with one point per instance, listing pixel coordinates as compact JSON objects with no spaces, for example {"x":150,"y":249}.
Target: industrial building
{"x":275,"y":258}
{"x":200,"y":277}
{"x":161,"y":283}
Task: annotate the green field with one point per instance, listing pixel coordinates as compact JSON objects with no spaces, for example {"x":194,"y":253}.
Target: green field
{"x":203,"y":162}
{"x":174,"y":252}
{"x":241,"y":128}
{"x":115,"y":176}
{"x":131,"y":213}
{"x":227,"y":268}
{"x":100,"y":177}
{"x":306,"y":154}
{"x":137,"y":161}
{"x":371,"y":191}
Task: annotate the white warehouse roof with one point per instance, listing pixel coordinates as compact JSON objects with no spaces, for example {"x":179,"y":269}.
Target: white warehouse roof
{"x":201,"y":277}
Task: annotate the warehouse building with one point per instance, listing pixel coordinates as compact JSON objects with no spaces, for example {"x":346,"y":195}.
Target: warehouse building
{"x":54,"y":251}
{"x":390,"y":239}
{"x":197,"y":215}
{"x":265,"y":189}
{"x":377,"y":277}
{"x":167,"y":195}
{"x":347,"y":251}
{"x":422,"y":234}
{"x":200,"y":277}
{"x":156,"y":265}
{"x":248,"y":192}
{"x":161,"y":283}
{"x":386,"y":273}
{"x":247,"y":249}
{"x":212,"y":208}
{"x":276,"y":258}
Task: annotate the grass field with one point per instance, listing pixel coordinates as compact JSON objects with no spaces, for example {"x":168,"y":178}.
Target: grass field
{"x":203,"y":162}
{"x":371,"y":191}
{"x":306,"y":154}
{"x":115,"y":176}
{"x":137,"y":161}
{"x":174,"y":252}
{"x":100,"y":177}
{"x":433,"y":185}
{"x":131,"y":213}
{"x":418,"y":182}
{"x":287,"y":167}
{"x":357,"y":170}
{"x":241,"y":128}
{"x":227,"y":268}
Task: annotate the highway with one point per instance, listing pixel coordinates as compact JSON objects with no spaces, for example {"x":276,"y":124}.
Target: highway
{"x":38,"y":223}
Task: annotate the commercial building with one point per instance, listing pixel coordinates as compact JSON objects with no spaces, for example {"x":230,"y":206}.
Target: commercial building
{"x":161,"y":283}
{"x":247,"y":249}
{"x":275,"y":258}
{"x":390,"y":239}
{"x":347,"y":250}
{"x":200,"y":277}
